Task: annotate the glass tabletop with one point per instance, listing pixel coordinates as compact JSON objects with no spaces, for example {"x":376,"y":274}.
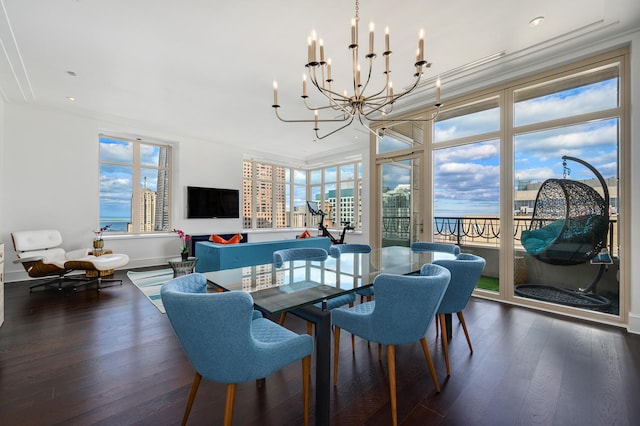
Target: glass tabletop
{"x":293,"y":284}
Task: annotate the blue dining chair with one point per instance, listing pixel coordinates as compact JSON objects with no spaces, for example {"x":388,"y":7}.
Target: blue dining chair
{"x":338,"y":249}
{"x":465,"y":270}
{"x":310,"y":253}
{"x":403,"y":309}
{"x":366,"y":292}
{"x":301,"y":253}
{"x":227,"y":341}
{"x":427,"y":246}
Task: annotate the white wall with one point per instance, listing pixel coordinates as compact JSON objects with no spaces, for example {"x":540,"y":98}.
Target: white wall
{"x":3,"y":159}
{"x":50,"y":165}
{"x":634,"y":273}
{"x":50,"y":170}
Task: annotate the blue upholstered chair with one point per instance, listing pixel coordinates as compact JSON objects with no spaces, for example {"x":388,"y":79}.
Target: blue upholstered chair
{"x":465,"y":270}
{"x":338,"y":249}
{"x":403,"y":309}
{"x":301,"y":253}
{"x":310,"y":253}
{"x":424,"y":246}
{"x":226,"y":341}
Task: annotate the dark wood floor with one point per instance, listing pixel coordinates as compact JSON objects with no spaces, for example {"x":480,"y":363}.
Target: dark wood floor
{"x":112,"y":359}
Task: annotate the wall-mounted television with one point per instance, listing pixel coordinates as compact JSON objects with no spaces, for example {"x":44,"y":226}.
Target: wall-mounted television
{"x":208,"y":203}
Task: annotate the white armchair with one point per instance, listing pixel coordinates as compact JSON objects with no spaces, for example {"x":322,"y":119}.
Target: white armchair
{"x":40,"y":254}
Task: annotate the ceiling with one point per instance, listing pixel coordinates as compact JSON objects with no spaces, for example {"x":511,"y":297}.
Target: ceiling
{"x":204,"y":69}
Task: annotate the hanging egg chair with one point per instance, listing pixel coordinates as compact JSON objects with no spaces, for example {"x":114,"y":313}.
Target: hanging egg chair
{"x":569,"y":226}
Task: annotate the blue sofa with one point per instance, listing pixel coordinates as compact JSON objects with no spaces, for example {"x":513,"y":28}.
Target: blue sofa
{"x":216,"y":257}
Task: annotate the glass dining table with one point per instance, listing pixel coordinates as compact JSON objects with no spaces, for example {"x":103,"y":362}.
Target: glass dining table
{"x":303,"y":287}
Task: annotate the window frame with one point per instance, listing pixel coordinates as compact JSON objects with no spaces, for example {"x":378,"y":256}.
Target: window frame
{"x":293,"y":218}
{"x":137,"y":166}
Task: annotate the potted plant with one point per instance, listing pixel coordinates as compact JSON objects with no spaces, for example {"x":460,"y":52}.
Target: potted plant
{"x":185,"y":238}
{"x":98,"y":242}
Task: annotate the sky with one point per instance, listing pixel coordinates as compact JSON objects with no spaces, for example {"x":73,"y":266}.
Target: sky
{"x":116,"y":180}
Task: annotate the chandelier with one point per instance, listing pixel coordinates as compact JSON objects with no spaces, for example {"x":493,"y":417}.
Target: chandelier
{"x":367,"y":106}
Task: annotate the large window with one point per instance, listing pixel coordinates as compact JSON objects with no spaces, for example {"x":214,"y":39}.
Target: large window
{"x":266,"y":195}
{"x":488,"y":157}
{"x":135,"y":185}
{"x":276,"y":196}
{"x":338,"y":191}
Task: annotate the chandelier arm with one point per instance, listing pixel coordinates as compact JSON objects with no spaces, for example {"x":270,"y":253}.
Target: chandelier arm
{"x":367,"y":126}
{"x":336,"y":120}
{"x":406,"y":120}
{"x":401,"y":94}
{"x":320,"y":108}
{"x":336,"y":105}
{"x":328,"y":93}
{"x":334,"y":131}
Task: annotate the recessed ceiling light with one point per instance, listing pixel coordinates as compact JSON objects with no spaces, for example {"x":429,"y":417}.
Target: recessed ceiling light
{"x":71,"y":73}
{"x":536,"y":22}
{"x":71,"y":98}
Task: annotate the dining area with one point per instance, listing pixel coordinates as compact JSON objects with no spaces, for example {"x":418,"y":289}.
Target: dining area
{"x":402,"y":290}
{"x":114,"y":359}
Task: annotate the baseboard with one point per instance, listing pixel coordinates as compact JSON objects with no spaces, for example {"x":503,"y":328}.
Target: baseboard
{"x":633,"y":325}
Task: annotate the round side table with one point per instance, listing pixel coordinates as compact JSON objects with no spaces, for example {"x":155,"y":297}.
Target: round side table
{"x":182,"y":267}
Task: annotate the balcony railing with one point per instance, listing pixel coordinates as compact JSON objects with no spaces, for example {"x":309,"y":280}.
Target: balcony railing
{"x":475,"y":230}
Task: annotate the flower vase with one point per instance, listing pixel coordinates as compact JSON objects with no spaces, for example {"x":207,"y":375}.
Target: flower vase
{"x":185,"y":256}
{"x":98,"y":244}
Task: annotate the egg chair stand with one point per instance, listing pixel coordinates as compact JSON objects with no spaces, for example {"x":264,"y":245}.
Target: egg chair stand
{"x":569,"y":227}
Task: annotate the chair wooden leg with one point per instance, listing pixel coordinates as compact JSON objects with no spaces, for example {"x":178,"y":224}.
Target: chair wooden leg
{"x":437,"y":324}
{"x":379,"y":351}
{"x":306,"y":385}
{"x":466,"y":332}
{"x":336,"y":349}
{"x":391,"y":362}
{"x":192,"y":397}
{"x":353,"y":343}
{"x":432,"y":370}
{"x":283,"y":316}
{"x":445,"y":343}
{"x":309,"y":328}
{"x":230,"y":402}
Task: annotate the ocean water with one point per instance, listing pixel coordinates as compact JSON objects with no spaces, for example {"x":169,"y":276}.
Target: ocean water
{"x":116,"y":224}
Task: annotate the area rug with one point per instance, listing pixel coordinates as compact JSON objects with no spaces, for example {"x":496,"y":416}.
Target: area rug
{"x":150,"y":282}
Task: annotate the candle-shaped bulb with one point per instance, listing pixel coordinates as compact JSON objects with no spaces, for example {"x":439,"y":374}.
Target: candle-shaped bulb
{"x":358,"y":75}
{"x":316,"y":119}
{"x":371,"y":29}
{"x":313,"y":46}
{"x":421,"y":46}
{"x":386,"y":39}
{"x":438,"y":91}
{"x":329,"y":69}
{"x":275,"y":92}
{"x":310,"y":54}
{"x":304,"y":85}
{"x":354,"y":31}
{"x":321,"y":42}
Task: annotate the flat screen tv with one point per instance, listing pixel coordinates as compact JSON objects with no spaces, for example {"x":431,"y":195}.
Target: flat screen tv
{"x":208,"y":203}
